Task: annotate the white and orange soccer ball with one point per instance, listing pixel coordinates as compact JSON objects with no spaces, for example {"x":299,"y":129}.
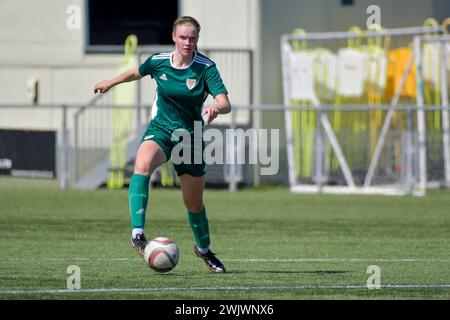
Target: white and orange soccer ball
{"x":161,"y":254}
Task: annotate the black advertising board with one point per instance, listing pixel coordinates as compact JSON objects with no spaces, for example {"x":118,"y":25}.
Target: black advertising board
{"x":25,"y":153}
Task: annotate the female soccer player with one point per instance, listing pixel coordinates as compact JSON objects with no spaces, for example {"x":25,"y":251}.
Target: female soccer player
{"x":184,"y":78}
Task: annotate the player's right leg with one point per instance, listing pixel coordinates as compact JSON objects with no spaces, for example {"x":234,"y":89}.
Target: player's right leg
{"x":148,"y":158}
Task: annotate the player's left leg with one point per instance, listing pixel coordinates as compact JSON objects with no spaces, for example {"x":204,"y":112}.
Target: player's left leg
{"x":192,"y":189}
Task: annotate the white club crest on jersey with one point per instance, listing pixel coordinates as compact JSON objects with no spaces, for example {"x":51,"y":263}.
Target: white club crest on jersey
{"x":190,"y":83}
{"x":163,"y":77}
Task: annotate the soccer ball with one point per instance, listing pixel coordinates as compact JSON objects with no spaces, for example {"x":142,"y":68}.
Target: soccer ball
{"x":161,"y":254}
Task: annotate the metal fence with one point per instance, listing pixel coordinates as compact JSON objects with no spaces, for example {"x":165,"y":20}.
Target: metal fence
{"x":77,"y":155}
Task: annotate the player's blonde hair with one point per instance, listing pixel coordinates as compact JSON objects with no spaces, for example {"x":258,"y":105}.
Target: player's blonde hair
{"x":186,"y":20}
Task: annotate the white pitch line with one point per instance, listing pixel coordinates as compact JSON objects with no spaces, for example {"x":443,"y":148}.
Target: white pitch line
{"x":278,"y":260}
{"x":339,"y":260}
{"x":73,"y":259}
{"x":230,"y":288}
{"x":270,"y":260}
{"x":91,"y":259}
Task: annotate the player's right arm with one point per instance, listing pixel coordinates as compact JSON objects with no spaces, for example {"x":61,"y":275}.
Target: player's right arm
{"x":129,"y":75}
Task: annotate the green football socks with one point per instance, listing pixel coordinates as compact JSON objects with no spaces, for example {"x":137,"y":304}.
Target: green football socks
{"x":138,"y":199}
{"x":199,"y":225}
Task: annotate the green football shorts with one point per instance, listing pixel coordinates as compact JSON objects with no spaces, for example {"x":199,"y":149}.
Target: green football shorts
{"x":167,"y":142}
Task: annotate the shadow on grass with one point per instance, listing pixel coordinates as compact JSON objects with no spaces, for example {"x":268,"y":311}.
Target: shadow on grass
{"x":231,"y":272}
{"x":289,"y":272}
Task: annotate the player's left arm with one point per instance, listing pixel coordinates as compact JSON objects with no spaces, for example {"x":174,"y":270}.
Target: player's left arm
{"x":222,"y":106}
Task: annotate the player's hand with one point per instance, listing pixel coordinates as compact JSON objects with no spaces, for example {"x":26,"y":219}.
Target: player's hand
{"x":209,"y":114}
{"x":102,"y":86}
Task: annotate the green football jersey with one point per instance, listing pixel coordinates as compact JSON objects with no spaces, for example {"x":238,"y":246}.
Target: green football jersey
{"x":182,"y":91}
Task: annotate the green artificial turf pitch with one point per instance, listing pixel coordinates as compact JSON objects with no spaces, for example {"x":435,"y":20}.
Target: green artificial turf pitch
{"x":275,"y":245}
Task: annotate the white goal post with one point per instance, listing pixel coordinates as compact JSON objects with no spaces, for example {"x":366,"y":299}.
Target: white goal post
{"x":390,"y":159}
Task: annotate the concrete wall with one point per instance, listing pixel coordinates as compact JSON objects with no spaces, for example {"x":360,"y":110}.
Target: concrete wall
{"x":35,"y":32}
{"x":35,"y":42}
